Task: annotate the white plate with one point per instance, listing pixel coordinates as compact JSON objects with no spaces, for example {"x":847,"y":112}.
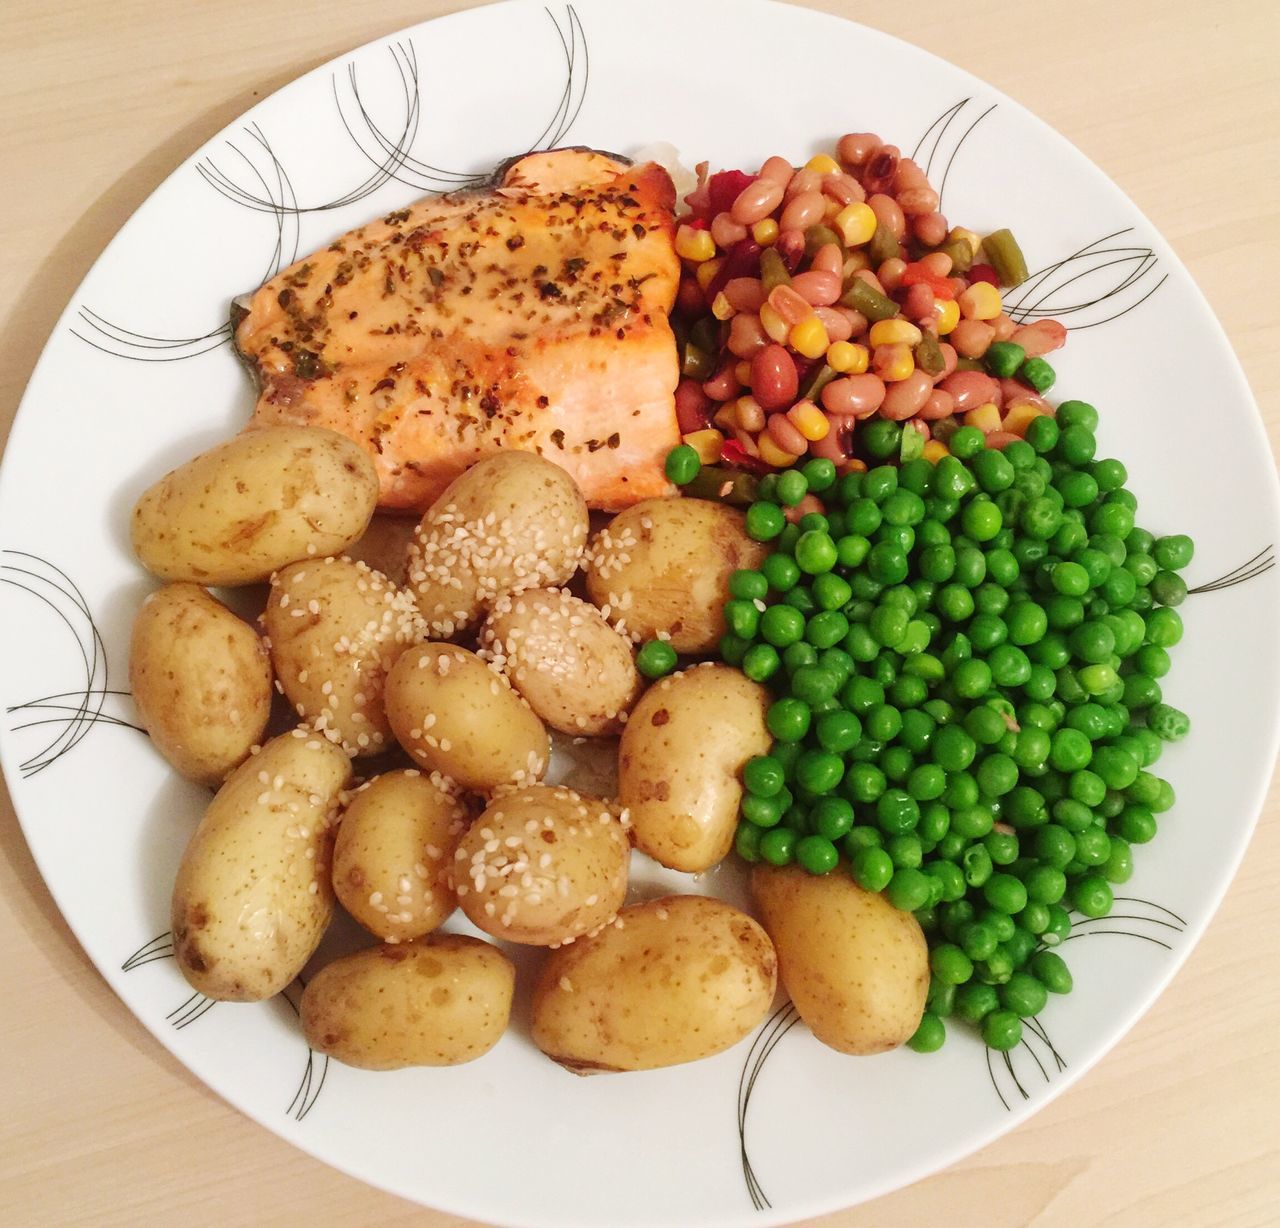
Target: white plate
{"x":138,"y":375}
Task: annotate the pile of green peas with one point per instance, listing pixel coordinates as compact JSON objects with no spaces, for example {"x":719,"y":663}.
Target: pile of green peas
{"x":965,"y":658}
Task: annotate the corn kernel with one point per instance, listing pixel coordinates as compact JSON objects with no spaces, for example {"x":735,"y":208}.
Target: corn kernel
{"x":726,"y":417}
{"x":960,"y":235}
{"x":721,"y":308}
{"x":765,"y":231}
{"x":986,"y":418}
{"x":775,"y":327}
{"x":773,"y":455}
{"x":707,"y":444}
{"x":824,"y":164}
{"x":981,"y":301}
{"x":934,"y":449}
{"x":1020,"y":417}
{"x":706,"y":271}
{"x":809,"y":420}
{"x":848,"y":357}
{"x":809,"y":338}
{"x":893,"y":362}
{"x":856,"y":223}
{"x":894,"y":332}
{"x":948,"y":313}
{"x":855,"y":465}
{"x":742,"y":373}
{"x":695,"y":245}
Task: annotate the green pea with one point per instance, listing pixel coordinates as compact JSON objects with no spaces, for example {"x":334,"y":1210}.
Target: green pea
{"x":778,"y":846}
{"x":1050,"y":969}
{"x":977,"y":866}
{"x":781,"y":625}
{"x":897,"y":812}
{"x":819,"y":771}
{"x":764,"y":776}
{"x":1168,"y":723}
{"x":984,"y":724}
{"x":1175,"y":552}
{"x":908,"y":889}
{"x":819,"y":473}
{"x":746,"y":842}
{"x":683,"y":465}
{"x":788,"y":719}
{"x":981,"y":520}
{"x":815,"y":552}
{"x":1092,"y":896}
{"x":765,"y":521}
{"x":1168,"y":588}
{"x":930,"y":1035}
{"x":1164,"y":627}
{"x":887,"y":563}
{"x":832,"y":818}
{"x":817,"y":854}
{"x":655,"y":659}
{"x":1118,"y":867}
{"x":975,"y":1001}
{"x":953,"y":748}
{"x":762,"y":811}
{"x":1002,"y":1030}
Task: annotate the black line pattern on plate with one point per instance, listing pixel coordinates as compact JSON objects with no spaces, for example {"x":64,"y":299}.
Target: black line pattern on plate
{"x":938,"y":132}
{"x":1002,"y":1067}
{"x":67,"y":715}
{"x":767,"y":1039}
{"x":1047,"y":293}
{"x":1261,"y":562}
{"x":197,"y":1006}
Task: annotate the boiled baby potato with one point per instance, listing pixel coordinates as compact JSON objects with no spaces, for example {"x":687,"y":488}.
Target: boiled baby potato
{"x":201,"y":681}
{"x":543,"y":866}
{"x":439,"y":1001}
{"x":664,"y":566}
{"x":457,"y":716}
{"x":253,"y":894}
{"x":680,"y":763}
{"x":575,"y":670}
{"x":393,"y":853}
{"x":855,"y":967}
{"x":335,"y":628}
{"x":671,"y":981}
{"x":244,"y":509}
{"x":512,"y":522}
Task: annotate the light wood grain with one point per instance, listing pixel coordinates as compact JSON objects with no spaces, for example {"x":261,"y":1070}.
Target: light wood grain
{"x":1175,"y":100}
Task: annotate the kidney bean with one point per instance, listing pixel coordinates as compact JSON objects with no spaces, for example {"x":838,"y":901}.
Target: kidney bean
{"x":1004,"y":327}
{"x":744,"y":293}
{"x":748,"y":442}
{"x":837,"y":444}
{"x":1013,"y":393}
{"x":786,"y":436}
{"x":939,"y":405}
{"x":854,"y":395}
{"x":689,"y":298}
{"x":948,"y":362}
{"x":725,"y":231}
{"x":999,"y":440}
{"x":723,"y":385}
{"x":802,"y":182}
{"x":858,"y":323}
{"x":908,"y":175}
{"x":970,"y":389}
{"x":746,"y":335}
{"x":838,"y":326}
{"x":790,"y":246}
{"x":917,"y":305}
{"x":891,"y":273}
{"x":778,"y":169}
{"x":929,"y":228}
{"x":804,"y":209}
{"x":918,"y":201}
{"x":1040,"y":338}
{"x":936,"y":264}
{"x":789,"y":304}
{"x":972,"y":337}
{"x":807,"y":505}
{"x":693,"y":406}
{"x":905,"y":398}
{"x":828,"y":259}
{"x":756,"y":201}
{"x":880,"y":168}
{"x":844,"y":189}
{"x":888,"y":214}
{"x":773,"y":377}
{"x":920,"y":427}
{"x":749,"y":413}
{"x":854,"y":148}
{"x":817,"y":288}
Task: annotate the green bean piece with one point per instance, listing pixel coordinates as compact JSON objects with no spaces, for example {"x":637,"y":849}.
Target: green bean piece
{"x":864,"y":298}
{"x":929,"y":355}
{"x":773,"y":272}
{"x":884,"y":246}
{"x":1005,"y":256}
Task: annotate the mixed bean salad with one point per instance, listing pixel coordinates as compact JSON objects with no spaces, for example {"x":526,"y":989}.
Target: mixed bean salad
{"x":961,"y":623}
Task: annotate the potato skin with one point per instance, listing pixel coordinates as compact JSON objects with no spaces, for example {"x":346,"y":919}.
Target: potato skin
{"x":576,"y":671}
{"x":512,"y":522}
{"x":456,"y":716}
{"x":672,"y":981}
{"x":855,"y":967}
{"x":680,"y":763}
{"x":439,"y":1001}
{"x":246,"y":508}
{"x":253,"y":894}
{"x":664,"y":566}
{"x":393,"y":853}
{"x":568,"y":857}
{"x":335,"y":628}
{"x":201,"y":681}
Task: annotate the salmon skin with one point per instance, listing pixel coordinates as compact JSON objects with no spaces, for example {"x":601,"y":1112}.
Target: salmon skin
{"x":530,"y":314}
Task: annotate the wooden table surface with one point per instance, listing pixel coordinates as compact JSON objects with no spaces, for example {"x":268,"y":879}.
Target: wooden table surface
{"x":1176,"y":100}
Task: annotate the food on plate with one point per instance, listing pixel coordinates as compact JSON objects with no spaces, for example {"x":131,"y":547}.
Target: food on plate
{"x":236,"y":513}
{"x":855,"y":967}
{"x":456,"y":715}
{"x":335,"y":628}
{"x":201,"y":681}
{"x":393,"y":853}
{"x":576,"y":671}
{"x":438,"y":1001}
{"x":253,"y":894}
{"x":528,"y":315}
{"x":671,"y":981}
{"x":509,"y":523}
{"x":661,"y":567}
{"x":385,"y":545}
{"x":542,"y":865}
{"x":680,"y":763}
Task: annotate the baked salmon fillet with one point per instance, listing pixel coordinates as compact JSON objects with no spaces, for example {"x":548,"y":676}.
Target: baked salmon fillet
{"x":529,"y":315}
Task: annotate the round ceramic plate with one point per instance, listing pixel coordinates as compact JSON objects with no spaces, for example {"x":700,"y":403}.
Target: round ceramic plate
{"x":139,"y":375}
